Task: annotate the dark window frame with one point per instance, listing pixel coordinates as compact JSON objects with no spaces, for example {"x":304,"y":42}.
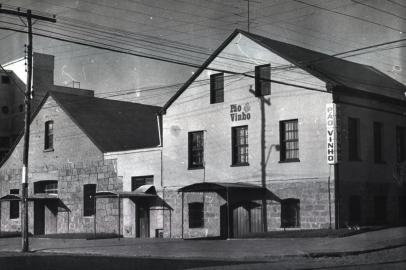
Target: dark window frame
{"x":46,"y":186}
{"x":196,"y":150}
{"x":239,"y":157}
{"x":290,"y":213}
{"x":400,"y":144}
{"x":217,"y":88}
{"x":14,"y":205}
{"x":196,"y":215}
{"x":263,"y":83}
{"x":142,"y":180}
{"x":89,"y":192}
{"x":49,"y":135}
{"x":286,"y":152}
{"x":378,"y":142}
{"x":354,"y":141}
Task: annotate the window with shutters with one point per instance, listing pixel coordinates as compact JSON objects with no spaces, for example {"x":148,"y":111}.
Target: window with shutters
{"x":262,"y":80}
{"x":217,"y":88}
{"x":289,"y":140}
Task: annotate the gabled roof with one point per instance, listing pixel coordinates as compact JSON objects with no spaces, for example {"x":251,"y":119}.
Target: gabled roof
{"x":331,"y":70}
{"x":112,"y":125}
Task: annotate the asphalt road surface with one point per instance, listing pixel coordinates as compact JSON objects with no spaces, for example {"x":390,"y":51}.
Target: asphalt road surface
{"x":394,"y":258}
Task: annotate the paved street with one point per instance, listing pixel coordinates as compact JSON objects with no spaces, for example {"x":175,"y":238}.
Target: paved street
{"x":383,"y":249}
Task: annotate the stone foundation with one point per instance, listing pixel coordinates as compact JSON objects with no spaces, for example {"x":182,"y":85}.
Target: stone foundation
{"x":71,"y":178}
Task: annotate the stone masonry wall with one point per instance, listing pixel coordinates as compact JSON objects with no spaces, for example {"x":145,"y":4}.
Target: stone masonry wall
{"x":312,"y":193}
{"x":71,"y":178}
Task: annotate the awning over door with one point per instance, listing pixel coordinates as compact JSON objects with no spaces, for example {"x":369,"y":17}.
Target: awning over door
{"x":236,"y":191}
{"x":10,"y":197}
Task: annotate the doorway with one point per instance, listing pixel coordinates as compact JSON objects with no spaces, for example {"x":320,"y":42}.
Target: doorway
{"x":142,"y":221}
{"x":45,"y":217}
{"x":246,"y":218}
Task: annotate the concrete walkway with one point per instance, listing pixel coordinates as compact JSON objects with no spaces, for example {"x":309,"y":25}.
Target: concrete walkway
{"x":243,"y":249}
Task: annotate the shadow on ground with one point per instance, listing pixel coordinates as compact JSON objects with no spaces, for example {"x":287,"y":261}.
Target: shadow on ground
{"x":17,"y":261}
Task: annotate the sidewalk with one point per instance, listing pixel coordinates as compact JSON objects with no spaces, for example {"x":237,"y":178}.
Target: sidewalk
{"x":238,"y":249}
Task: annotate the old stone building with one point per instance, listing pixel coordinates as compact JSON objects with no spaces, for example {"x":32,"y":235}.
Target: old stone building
{"x":69,"y":135}
{"x":264,"y":136}
{"x":268,"y":135}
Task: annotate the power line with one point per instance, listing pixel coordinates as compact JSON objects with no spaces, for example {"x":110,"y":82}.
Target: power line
{"x":380,"y":10}
{"x":351,"y":16}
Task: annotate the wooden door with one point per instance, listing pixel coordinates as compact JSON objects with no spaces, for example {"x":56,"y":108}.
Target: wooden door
{"x":39,"y":218}
{"x":142,"y":221}
{"x":247,"y":218}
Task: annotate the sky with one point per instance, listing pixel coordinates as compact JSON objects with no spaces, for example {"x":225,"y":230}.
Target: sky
{"x":188,"y":31}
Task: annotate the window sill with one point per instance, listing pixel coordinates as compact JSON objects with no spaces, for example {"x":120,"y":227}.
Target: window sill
{"x":92,"y":216}
{"x":48,"y":150}
{"x":196,"y":168}
{"x":239,"y":164}
{"x":289,"y":160}
{"x":17,"y":218}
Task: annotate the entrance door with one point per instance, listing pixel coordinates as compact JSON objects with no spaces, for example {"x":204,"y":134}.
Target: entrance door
{"x":51,"y":213}
{"x":247,"y":218}
{"x":39,"y":218}
{"x":142,"y":221}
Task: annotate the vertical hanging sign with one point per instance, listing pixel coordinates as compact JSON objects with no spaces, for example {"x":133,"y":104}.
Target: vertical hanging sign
{"x":332,"y":126}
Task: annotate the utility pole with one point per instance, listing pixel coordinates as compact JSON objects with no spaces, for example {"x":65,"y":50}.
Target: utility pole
{"x":263,"y":101}
{"x":27,"y":101}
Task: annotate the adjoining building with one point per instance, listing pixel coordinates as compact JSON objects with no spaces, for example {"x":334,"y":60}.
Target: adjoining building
{"x":69,"y":135}
{"x":11,"y":110}
{"x":325,"y":137}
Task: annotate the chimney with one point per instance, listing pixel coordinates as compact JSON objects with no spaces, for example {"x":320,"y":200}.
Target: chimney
{"x":43,"y":71}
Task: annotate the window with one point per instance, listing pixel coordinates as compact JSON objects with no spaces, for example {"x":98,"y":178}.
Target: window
{"x":400,"y":144}
{"x":49,"y":135}
{"x":4,"y":109}
{"x":89,"y":191}
{"x":353,"y":139}
{"x":48,"y":186}
{"x":290,"y":213}
{"x":262,"y":80}
{"x":137,"y":181}
{"x":14,"y":205}
{"x":289,"y":140}
{"x":378,"y":139}
{"x":240,"y":145}
{"x":5,"y":79}
{"x":217,"y":88}
{"x":196,"y":151}
{"x":196,"y":215}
